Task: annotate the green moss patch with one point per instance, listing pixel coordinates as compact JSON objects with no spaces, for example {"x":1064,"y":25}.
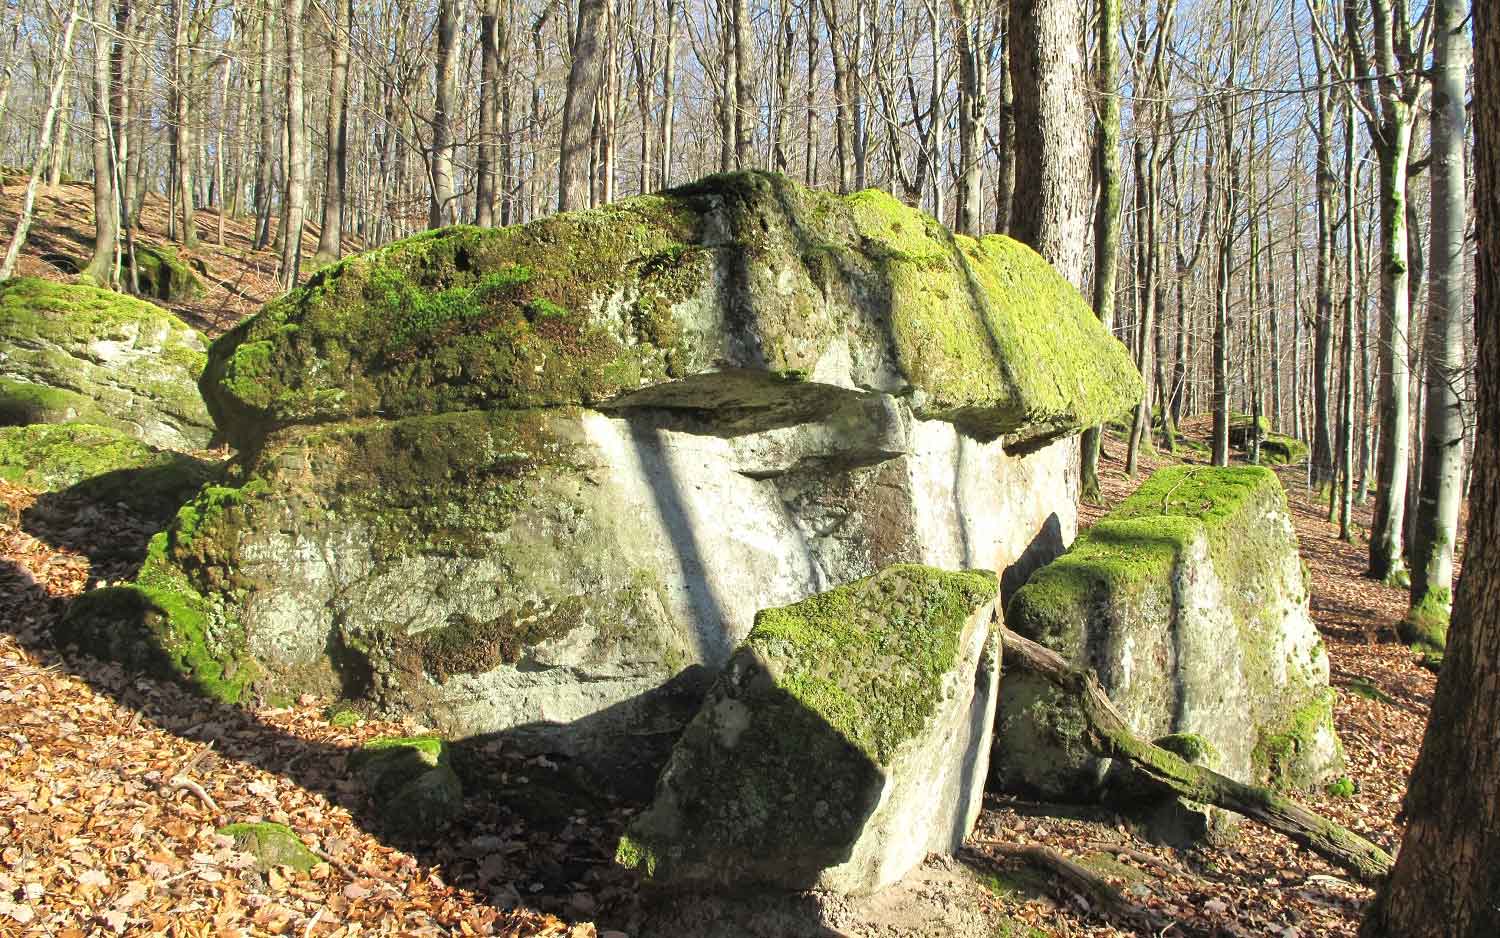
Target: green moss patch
{"x":57,"y":456}
{"x":272,"y":845}
{"x":825,"y":690}
{"x":411,"y":781}
{"x":582,"y":307}
{"x":1277,"y":449}
{"x":162,"y":275}
{"x":869,"y":657}
{"x":1425,"y":625}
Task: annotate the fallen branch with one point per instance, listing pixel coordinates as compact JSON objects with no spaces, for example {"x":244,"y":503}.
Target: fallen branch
{"x":1108,"y":735}
{"x":1100,"y":896}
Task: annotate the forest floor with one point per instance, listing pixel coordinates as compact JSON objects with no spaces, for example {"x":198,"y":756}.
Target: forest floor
{"x":112,"y":786}
{"x":239,"y":279}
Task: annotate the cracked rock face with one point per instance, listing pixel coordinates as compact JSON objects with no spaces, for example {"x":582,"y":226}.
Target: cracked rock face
{"x":538,"y":481}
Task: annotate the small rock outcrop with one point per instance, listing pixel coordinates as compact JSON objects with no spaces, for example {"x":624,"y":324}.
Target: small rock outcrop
{"x":73,"y":352}
{"x":411,"y":781}
{"x":1190,"y":602}
{"x":538,"y":480}
{"x":271,"y":845}
{"x":843,"y":742}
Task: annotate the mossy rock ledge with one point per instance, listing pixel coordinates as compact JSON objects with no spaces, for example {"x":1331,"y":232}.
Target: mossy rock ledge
{"x":538,"y":480}
{"x":843,"y":742}
{"x":1191,"y":603}
{"x":73,"y":352}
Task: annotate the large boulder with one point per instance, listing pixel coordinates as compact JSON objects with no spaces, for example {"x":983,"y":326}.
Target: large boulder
{"x":843,"y":742}
{"x":74,"y":352}
{"x":539,"y":480}
{"x":1191,"y":603}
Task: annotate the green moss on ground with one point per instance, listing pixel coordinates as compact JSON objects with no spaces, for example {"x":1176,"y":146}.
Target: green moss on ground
{"x":272,"y":845}
{"x":1425,"y":625}
{"x":411,"y":781}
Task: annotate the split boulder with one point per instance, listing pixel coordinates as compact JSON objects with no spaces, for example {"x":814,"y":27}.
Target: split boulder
{"x":844,"y":741}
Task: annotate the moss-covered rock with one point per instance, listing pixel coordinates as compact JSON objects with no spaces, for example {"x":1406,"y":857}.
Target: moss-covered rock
{"x":271,"y":844}
{"x":1190,"y":602}
{"x":74,"y":352}
{"x":55,"y":457}
{"x":841,"y":744}
{"x":411,"y":781}
{"x":747,"y":270}
{"x":1277,"y":449}
{"x":162,"y":275}
{"x":1243,"y":428}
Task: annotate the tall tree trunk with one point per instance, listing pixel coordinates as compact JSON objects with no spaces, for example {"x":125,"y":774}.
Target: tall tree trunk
{"x":843,"y":81}
{"x":1005,"y":169}
{"x":1443,"y":440}
{"x":1322,"y":463}
{"x":744,"y":87}
{"x":101,"y":267}
{"x":584,"y":77}
{"x":44,"y":148}
{"x":1447,"y":876}
{"x":484,"y":170}
{"x":294,"y":204}
{"x":1145,"y":288}
{"x":443,"y":207}
{"x":331,"y":235}
{"x":668,"y":92}
{"x":1106,"y":210}
{"x":268,"y":135}
{"x":182,"y":131}
{"x":971,"y":118}
{"x":1346,"y":401}
{"x":1051,"y":209}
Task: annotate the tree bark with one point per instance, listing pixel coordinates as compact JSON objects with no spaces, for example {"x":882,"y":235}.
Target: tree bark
{"x":268,"y":143}
{"x":182,"y":131}
{"x":584,"y":77}
{"x":1447,"y":879}
{"x":971,"y":118}
{"x":744,"y":87}
{"x":331,"y":235}
{"x":1443,"y":439}
{"x":1106,"y":211}
{"x":443,"y":207}
{"x":101,"y":266}
{"x":294,"y":204}
{"x":1051,"y":207}
{"x":44,"y":149}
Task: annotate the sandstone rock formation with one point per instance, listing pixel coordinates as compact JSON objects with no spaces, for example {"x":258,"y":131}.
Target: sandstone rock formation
{"x":1190,"y":602}
{"x":844,"y":741}
{"x":73,"y":352}
{"x":539,"y":480}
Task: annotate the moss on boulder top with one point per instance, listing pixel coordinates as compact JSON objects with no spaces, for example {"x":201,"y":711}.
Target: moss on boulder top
{"x":69,"y":352}
{"x":837,"y":746}
{"x":1190,"y":601}
{"x":746,"y":270}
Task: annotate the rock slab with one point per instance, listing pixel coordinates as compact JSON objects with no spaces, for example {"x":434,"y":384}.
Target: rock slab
{"x":1191,"y":603}
{"x":844,"y":741}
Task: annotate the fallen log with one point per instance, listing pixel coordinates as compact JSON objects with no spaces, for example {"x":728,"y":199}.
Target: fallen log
{"x":1108,"y":735}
